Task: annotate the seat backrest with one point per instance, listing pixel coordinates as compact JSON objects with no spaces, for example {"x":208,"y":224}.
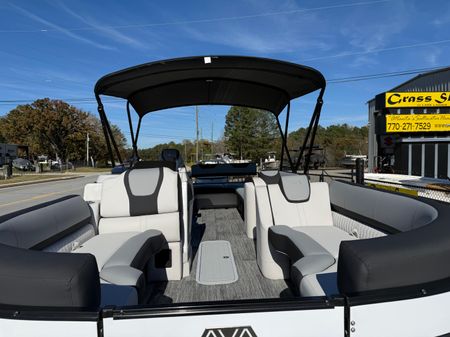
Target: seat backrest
{"x":49,"y":224}
{"x":172,"y":155}
{"x":297,"y":202}
{"x":137,"y":192}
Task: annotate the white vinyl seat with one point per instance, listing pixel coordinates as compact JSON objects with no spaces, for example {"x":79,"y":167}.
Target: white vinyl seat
{"x":291,"y":211}
{"x":147,"y":198}
{"x":122,"y":257}
{"x":249,"y":209}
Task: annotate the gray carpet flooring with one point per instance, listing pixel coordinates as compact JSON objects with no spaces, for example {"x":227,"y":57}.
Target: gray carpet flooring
{"x":221,"y":224}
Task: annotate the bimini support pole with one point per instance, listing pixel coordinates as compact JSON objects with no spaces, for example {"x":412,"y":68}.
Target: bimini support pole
{"x":101,"y":113}
{"x":133,"y":140}
{"x":313,"y":124}
{"x":284,"y":140}
{"x":137,"y":130}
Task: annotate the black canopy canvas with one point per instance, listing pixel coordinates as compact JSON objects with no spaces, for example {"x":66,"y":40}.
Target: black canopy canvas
{"x":226,"y":80}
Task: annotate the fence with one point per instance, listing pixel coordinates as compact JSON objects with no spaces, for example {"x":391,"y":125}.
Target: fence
{"x":436,"y":192}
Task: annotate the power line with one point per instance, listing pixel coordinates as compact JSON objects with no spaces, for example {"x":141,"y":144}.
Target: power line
{"x":331,"y":81}
{"x":196,"y":21}
{"x":383,"y":75}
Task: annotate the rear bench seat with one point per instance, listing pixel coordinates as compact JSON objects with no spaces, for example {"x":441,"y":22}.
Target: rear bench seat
{"x":296,"y":238}
{"x":66,"y":225}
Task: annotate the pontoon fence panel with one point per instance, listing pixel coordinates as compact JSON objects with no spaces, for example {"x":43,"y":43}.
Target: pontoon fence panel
{"x":312,"y":323}
{"x":425,"y":316}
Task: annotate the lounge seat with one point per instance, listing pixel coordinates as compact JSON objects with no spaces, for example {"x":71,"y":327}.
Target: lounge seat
{"x":329,"y":237}
{"x":122,"y":257}
{"x":307,"y":256}
{"x":293,"y":213}
{"x":66,"y":225}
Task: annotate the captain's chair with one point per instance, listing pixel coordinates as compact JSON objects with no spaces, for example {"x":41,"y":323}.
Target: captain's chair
{"x":172,"y":155}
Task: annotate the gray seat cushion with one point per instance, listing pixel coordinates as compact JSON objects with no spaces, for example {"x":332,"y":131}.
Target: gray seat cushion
{"x":329,"y":237}
{"x":121,"y":257}
{"x":295,"y":244}
{"x":306,"y":255}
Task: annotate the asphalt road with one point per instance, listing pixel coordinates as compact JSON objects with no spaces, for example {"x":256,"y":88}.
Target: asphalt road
{"x":15,"y":198}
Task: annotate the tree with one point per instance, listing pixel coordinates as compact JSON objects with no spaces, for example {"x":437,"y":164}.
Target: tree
{"x":337,"y":140}
{"x":251,"y":133}
{"x":55,"y":128}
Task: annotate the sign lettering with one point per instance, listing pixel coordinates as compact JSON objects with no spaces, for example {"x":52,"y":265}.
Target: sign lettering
{"x":418,"y":123}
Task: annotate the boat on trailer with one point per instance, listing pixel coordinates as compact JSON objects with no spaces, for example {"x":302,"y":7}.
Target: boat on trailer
{"x":160,"y":251}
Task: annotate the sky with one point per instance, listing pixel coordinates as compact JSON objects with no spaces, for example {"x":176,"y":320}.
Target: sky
{"x":59,"y":49}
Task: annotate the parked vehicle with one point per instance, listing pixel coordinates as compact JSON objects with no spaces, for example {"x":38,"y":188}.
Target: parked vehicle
{"x":349,"y":160}
{"x":157,"y":251}
{"x":23,"y":164}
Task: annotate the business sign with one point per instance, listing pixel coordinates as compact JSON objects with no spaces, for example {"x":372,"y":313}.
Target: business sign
{"x":394,"y":100}
{"x":418,"y":123}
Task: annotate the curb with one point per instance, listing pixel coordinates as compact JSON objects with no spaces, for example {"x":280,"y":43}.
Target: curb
{"x":32,"y":182}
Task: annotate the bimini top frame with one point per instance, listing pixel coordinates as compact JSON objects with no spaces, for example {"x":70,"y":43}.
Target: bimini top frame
{"x":260,"y":83}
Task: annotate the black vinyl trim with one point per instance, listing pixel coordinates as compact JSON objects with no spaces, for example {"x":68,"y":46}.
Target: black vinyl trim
{"x":47,"y":313}
{"x":276,"y":180}
{"x":12,"y":215}
{"x":47,"y":242}
{"x":399,"y":293}
{"x":143,"y":204}
{"x":365,"y":220}
{"x":227,"y":307}
{"x":146,"y":164}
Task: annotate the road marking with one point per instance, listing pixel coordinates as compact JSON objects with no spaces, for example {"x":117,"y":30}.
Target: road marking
{"x":36,"y":197}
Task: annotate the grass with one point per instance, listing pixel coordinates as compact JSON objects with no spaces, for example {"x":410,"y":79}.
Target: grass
{"x":30,"y":177}
{"x":92,"y":169}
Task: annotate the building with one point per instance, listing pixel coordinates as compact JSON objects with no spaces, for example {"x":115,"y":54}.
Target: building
{"x":7,"y":152}
{"x":409,"y":127}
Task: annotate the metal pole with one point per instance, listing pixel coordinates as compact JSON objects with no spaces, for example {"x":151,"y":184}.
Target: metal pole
{"x":311,"y":142}
{"x":360,"y":171}
{"x":312,"y":126}
{"x":196,"y":128}
{"x":130,"y":123}
{"x":87,"y":149}
{"x":105,"y":131}
{"x":284,"y":147}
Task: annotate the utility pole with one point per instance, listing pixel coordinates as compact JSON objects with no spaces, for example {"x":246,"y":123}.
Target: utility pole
{"x":196,"y":127}
{"x":212,"y":137}
{"x":87,"y":149}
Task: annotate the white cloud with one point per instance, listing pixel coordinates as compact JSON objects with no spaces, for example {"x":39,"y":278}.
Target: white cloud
{"x":60,"y":29}
{"x":107,"y":31}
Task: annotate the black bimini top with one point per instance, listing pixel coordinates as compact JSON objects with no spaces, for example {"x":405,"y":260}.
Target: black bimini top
{"x":226,"y":80}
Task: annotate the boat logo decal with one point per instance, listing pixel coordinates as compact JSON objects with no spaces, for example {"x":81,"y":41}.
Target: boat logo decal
{"x":241,"y":331}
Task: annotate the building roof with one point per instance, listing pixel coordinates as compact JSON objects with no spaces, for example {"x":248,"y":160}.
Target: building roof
{"x":436,"y":80}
